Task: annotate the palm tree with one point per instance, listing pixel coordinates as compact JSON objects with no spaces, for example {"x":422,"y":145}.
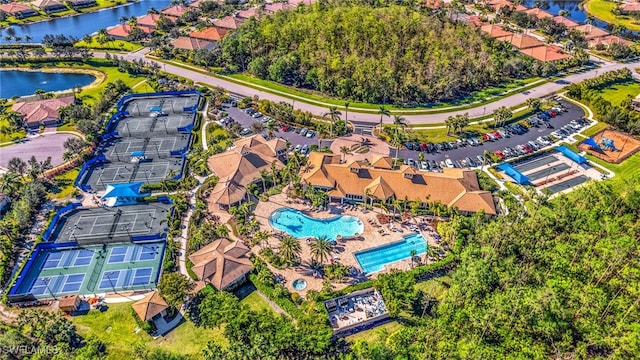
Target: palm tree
{"x":10,"y":183}
{"x":346,"y":111}
{"x":290,"y":249}
{"x":399,"y":122}
{"x":383,"y":112}
{"x":344,"y":150}
{"x":257,"y":127}
{"x":321,"y":249}
{"x":397,"y":141}
{"x":334,"y":115}
{"x":265,"y":176}
{"x":449,"y":123}
{"x":413,"y":255}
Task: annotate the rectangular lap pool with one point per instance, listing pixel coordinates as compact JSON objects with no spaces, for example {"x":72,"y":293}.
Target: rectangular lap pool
{"x":374,"y":259}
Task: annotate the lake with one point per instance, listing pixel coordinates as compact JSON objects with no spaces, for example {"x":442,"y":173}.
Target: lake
{"x":83,"y":24}
{"x":21,"y":83}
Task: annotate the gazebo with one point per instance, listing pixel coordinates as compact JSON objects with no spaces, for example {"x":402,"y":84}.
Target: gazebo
{"x":122,"y":194}
{"x":150,"y":306}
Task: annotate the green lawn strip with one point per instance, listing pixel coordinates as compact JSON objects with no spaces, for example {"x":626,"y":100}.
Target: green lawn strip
{"x":314,"y":99}
{"x":595,"y":129}
{"x":116,"y":328}
{"x":256,"y":303}
{"x":376,"y":334}
{"x":436,"y":287}
{"x":116,"y":45}
{"x":64,"y":183}
{"x":66,"y":127}
{"x":601,"y":9}
{"x":618,"y":92}
{"x":112,"y":74}
{"x":20,"y":134}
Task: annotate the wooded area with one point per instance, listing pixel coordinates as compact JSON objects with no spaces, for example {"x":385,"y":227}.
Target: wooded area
{"x":391,"y":54}
{"x":560,"y":282}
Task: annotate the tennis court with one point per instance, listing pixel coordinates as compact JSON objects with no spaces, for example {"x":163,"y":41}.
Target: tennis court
{"x":568,"y":184}
{"x":530,"y":165}
{"x":106,"y":225}
{"x":97,"y":271}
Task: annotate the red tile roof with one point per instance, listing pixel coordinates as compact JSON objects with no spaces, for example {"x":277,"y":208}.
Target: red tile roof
{"x":175,"y":11}
{"x":539,"y":13}
{"x":123,"y":30}
{"x":591,"y":31}
{"x":248,"y":13}
{"x":476,"y":21}
{"x":630,"y":7}
{"x":42,"y":110}
{"x":567,"y":22}
{"x":546,"y":53}
{"x":524,"y":41}
{"x":229,"y":22}
{"x":14,"y":8}
{"x":495,"y":31}
{"x":187,"y":43}
{"x":211,"y":34}
{"x":608,"y":40}
{"x":150,"y":20}
{"x":272,"y":8}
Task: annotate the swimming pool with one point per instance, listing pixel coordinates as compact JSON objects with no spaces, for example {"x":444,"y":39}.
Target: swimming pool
{"x":299,"y":225}
{"x":374,"y":259}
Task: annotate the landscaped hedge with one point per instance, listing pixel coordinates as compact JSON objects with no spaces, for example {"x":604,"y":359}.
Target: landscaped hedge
{"x":284,"y":302}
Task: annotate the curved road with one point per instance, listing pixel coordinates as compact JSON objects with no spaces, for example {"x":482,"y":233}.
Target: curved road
{"x":481,"y":110}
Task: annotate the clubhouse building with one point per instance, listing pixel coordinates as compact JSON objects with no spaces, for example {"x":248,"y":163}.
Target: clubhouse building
{"x":380,"y":180}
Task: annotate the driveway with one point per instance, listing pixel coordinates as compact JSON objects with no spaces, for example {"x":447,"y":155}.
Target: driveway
{"x":573,"y":112}
{"x":40,"y":146}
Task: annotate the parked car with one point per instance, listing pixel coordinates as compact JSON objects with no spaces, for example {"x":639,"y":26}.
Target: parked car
{"x":470,"y":162}
{"x":409,"y":145}
{"x":256,"y":115}
{"x":500,"y":154}
{"x":411,"y":162}
{"x":305,"y":149}
{"x":303,"y":132}
{"x":449,"y":163}
{"x":245,"y":131}
{"x":311,"y":134}
{"x":298,"y":148}
{"x":424,"y":165}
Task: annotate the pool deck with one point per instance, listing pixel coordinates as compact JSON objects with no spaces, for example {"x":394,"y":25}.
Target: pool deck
{"x":371,"y":237}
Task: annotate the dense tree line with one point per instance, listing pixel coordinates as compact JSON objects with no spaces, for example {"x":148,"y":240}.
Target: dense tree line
{"x":375,"y":54}
{"x":622,"y":115}
{"x":559,"y":282}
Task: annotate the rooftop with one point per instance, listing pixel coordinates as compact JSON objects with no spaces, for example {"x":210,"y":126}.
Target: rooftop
{"x":150,"y":305}
{"x":495,"y":31}
{"x":189,"y":43}
{"x":210,"y":34}
{"x":546,"y":53}
{"x":39,"y":110}
{"x":221,"y":263}
{"x":228,"y":22}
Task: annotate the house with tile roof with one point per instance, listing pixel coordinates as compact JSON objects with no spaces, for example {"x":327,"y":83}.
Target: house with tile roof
{"x":546,"y":53}
{"x":222,"y":264}
{"x":591,"y":32}
{"x":629,"y":8}
{"x":496,"y":31}
{"x":79,"y":4}
{"x":608,"y":40}
{"x":538,"y":13}
{"x":380,"y":181}
{"x":524,"y":41}
{"x":151,"y":306}
{"x":121,"y":31}
{"x":301,"y":2}
{"x":189,"y":43}
{"x":275,"y":7}
{"x":249,"y":13}
{"x":17,"y":10}
{"x":209,"y":34}
{"x":229,"y":22}
{"x":570,"y":24}
{"x":242,"y":165}
{"x":150,"y":20}
{"x":175,"y":11}
{"x":49,"y":6}
{"x":42,"y":112}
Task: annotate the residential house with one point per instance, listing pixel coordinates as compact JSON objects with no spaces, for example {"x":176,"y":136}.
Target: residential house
{"x":150,"y":20}
{"x":79,"y":4}
{"x":273,"y":8}
{"x":242,"y":165}
{"x":591,"y":32}
{"x":189,"y":43}
{"x":301,"y":2}
{"x":475,"y":20}
{"x":175,"y":11}
{"x":42,"y":112}
{"x":49,"y":6}
{"x":538,"y":13}
{"x":499,"y":4}
{"x":249,"y":13}
{"x":151,"y":306}
{"x":496,"y":31}
{"x":608,"y":40}
{"x":524,"y":41}
{"x":222,"y":264}
{"x":570,"y":24}
{"x":629,"y":8}
{"x":69,"y":303}
{"x":546,"y":53}
{"x":121,"y":32}
{"x":17,"y":10}
{"x":380,"y":181}
{"x":209,"y":34}
{"x":197,"y":3}
{"x":229,"y":22}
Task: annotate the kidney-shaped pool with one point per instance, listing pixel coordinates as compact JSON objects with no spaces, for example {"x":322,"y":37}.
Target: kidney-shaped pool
{"x":299,"y":225}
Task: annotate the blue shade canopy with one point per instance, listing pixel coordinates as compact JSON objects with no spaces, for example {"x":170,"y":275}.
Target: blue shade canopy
{"x":123,"y":190}
{"x":519,"y":177}
{"x":571,"y":154}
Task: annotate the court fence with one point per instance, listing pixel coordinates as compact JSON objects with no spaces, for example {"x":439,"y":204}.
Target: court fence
{"x":54,"y":222}
{"x":96,"y":160}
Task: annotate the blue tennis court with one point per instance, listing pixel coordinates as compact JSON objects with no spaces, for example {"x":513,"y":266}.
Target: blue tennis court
{"x":58,"y":284}
{"x":125,"y":278}
{"x":66,"y":259}
{"x":132,"y":253}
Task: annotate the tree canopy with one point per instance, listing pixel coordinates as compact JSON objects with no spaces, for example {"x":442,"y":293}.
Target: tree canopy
{"x":374,"y":54}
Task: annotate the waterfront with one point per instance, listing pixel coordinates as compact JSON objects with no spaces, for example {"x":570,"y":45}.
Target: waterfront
{"x":82,"y":24}
{"x":22,"y":83}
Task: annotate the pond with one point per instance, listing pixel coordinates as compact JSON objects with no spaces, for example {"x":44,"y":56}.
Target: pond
{"x":22,"y":83}
{"x":83,"y":24}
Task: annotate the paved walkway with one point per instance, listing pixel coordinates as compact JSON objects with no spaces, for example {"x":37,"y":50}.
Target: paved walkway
{"x":273,"y":305}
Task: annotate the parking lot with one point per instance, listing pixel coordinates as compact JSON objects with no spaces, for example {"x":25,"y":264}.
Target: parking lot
{"x":573,"y":112}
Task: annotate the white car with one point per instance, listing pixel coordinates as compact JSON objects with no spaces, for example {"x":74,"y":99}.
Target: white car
{"x":449,"y":163}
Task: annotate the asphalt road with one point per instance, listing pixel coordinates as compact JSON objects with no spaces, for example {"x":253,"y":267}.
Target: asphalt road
{"x":573,"y":112}
{"x":510,"y":101}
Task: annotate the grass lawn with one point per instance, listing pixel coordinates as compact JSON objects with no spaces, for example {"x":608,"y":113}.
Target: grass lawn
{"x":376,"y":334}
{"x":116,"y":328}
{"x":618,"y":92}
{"x":66,"y":127}
{"x":116,"y":45}
{"x":111,"y":73}
{"x":63,"y":184}
{"x":437,"y":287}
{"x":601,"y":9}
{"x":143,"y":88}
{"x":12,"y":136}
{"x":256,"y":303}
{"x":595,"y":129}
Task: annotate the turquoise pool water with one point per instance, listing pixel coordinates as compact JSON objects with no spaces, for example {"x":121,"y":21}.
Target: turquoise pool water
{"x":299,"y":225}
{"x":374,"y":259}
